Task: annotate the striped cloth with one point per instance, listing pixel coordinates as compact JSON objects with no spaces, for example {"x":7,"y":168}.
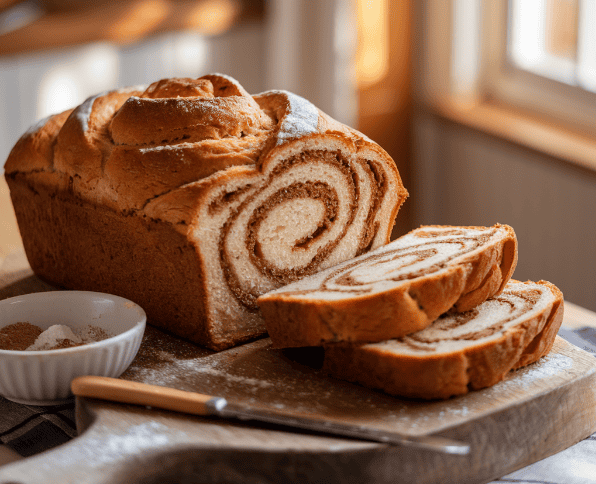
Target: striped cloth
{"x":28,"y":429}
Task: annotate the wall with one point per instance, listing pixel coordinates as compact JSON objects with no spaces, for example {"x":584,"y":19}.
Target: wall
{"x":465,"y":177}
{"x":38,"y":84}
{"x":298,"y":45}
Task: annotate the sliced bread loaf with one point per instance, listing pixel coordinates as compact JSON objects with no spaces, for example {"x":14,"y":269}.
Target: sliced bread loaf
{"x":395,"y":290}
{"x":458,"y":352}
{"x":192,"y":198}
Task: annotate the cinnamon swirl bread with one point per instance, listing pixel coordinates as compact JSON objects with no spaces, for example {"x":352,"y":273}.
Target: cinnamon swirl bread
{"x":458,"y":352}
{"x":192,"y":198}
{"x":394,"y":290}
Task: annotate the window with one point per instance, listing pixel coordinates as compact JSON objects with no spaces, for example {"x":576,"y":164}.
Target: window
{"x":555,"y":39}
{"x":534,"y":55}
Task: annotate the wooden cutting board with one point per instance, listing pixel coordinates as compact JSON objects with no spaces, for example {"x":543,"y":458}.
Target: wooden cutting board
{"x":535,"y":412}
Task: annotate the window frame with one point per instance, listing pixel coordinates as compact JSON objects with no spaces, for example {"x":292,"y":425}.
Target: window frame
{"x":502,"y":82}
{"x":475,"y":103}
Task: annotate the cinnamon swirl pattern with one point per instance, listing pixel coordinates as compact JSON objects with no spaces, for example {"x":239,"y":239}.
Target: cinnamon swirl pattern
{"x":458,"y":352}
{"x":250,"y":192}
{"x":397,"y":289}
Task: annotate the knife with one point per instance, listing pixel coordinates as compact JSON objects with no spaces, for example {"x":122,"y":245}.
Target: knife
{"x":124,"y":391}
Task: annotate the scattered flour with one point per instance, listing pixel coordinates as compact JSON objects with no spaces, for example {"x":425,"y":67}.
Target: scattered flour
{"x":83,"y":112}
{"x":300,"y":119}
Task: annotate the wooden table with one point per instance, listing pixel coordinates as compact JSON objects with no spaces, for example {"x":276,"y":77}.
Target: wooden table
{"x":538,"y":411}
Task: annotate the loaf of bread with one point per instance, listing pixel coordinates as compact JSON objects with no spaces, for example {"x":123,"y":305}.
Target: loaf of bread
{"x":394,"y":290}
{"x":458,"y":352}
{"x":192,"y":198}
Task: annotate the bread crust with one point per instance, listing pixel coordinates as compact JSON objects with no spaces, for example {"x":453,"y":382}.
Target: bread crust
{"x":294,"y":319}
{"x":447,"y":374}
{"x":130,"y":193}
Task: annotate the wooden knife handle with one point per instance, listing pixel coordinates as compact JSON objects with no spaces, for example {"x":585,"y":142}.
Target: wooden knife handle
{"x":125,"y":391}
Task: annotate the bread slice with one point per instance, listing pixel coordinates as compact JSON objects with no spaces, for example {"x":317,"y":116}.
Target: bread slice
{"x":192,"y":198}
{"x":458,"y":352}
{"x":397,"y":289}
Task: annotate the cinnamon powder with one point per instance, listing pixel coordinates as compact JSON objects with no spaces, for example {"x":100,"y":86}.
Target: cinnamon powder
{"x":18,"y":336}
{"x":22,"y":336}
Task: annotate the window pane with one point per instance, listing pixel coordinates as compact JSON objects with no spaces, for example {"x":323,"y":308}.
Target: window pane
{"x":561,"y":28}
{"x":543,"y":37}
{"x":555,"y":39}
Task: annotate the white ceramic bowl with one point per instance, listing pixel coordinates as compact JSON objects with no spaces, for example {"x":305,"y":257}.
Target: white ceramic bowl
{"x":43,"y":377}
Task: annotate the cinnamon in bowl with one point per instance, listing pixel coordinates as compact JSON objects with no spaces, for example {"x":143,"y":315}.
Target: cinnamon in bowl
{"x":24,"y":336}
{"x":37,"y":375}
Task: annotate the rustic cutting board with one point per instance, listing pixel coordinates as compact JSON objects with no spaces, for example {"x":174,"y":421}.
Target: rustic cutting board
{"x":535,"y":412}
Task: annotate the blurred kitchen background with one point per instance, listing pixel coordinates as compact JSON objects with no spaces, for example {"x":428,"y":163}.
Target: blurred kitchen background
{"x":487,"y":107}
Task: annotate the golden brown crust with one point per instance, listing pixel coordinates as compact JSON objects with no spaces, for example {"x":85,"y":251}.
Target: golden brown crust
{"x":429,"y":378}
{"x":172,"y":111}
{"x":177,"y":164}
{"x":490,"y":281}
{"x":35,"y":149}
{"x":440,"y":376}
{"x":409,"y":305}
{"x":543,"y":342}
